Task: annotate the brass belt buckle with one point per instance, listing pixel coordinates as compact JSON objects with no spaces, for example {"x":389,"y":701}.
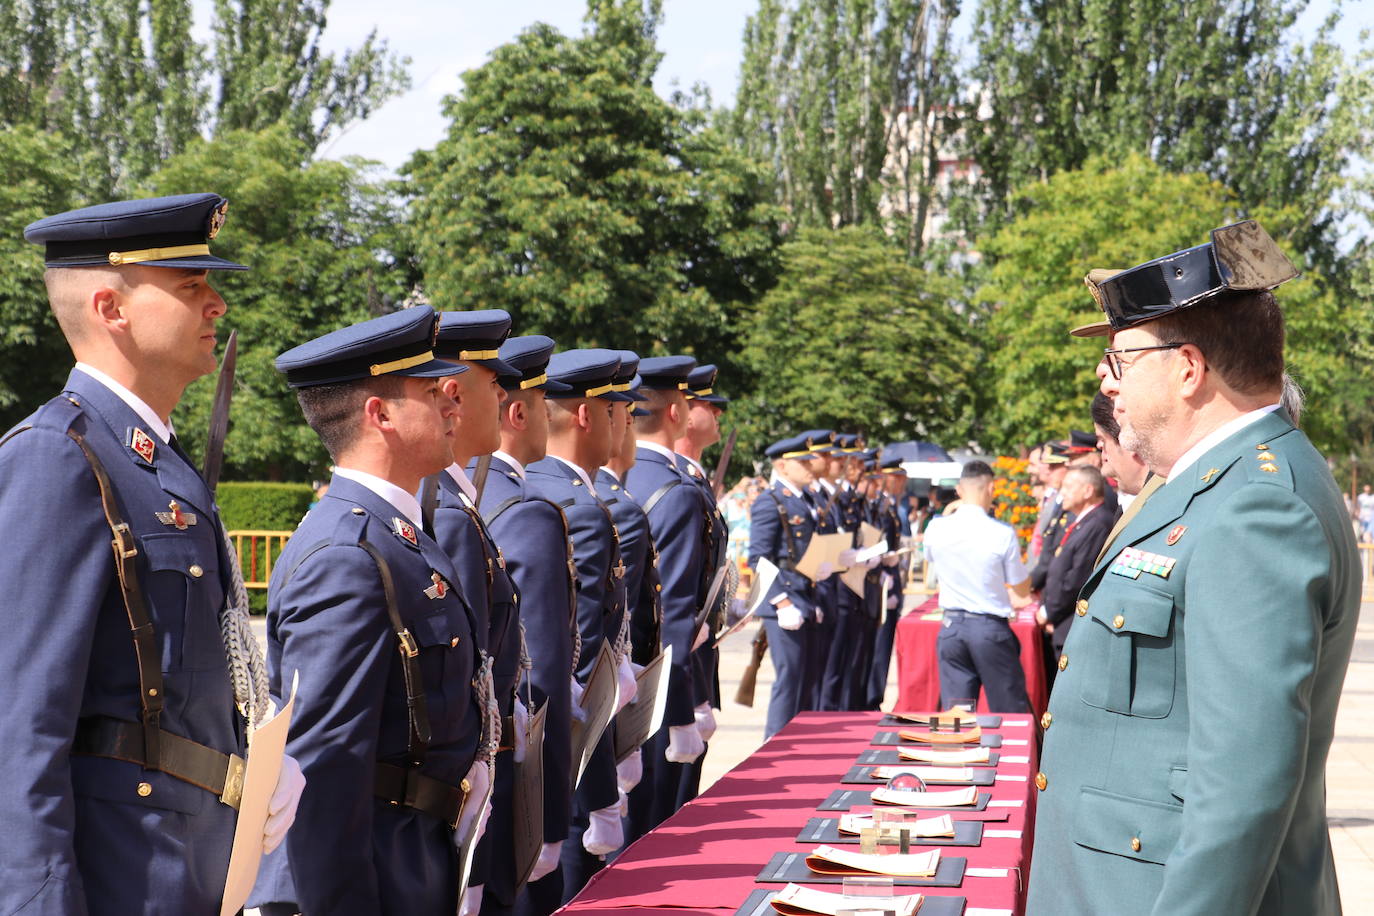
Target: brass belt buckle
{"x":233,"y":782}
{"x":408,"y":645}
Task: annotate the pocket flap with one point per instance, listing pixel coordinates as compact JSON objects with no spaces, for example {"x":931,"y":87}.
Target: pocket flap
{"x":169,"y":552}
{"x":1118,"y":824}
{"x":1142,"y":610}
{"x":434,"y":630}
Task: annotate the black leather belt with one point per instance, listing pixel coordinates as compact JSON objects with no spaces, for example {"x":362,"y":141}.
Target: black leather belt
{"x":178,"y":757}
{"x":408,"y":787}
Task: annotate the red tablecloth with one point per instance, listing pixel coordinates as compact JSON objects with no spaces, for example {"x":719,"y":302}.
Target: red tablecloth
{"x":704,"y":858}
{"x":918,"y":675}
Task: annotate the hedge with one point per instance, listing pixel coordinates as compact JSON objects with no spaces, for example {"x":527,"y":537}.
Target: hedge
{"x":254,"y":506}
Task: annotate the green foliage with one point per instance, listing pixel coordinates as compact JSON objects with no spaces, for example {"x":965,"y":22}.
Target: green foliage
{"x":850,"y":103}
{"x":263,"y":506}
{"x":568,"y":193}
{"x":855,"y":337}
{"x":318,"y":236}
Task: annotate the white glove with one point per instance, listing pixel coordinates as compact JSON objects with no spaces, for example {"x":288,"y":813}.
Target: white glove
{"x":684,"y":744}
{"x":872,"y":562}
{"x":578,"y":712}
{"x":706,"y":721}
{"x":471,"y":904}
{"x":604,"y":833}
{"x":824,"y":571}
{"x":623,"y":806}
{"x":789,"y":617}
{"x":630,"y":771}
{"x":847,"y":556}
{"x":547,"y":861}
{"x":521,"y":715}
{"x":281,"y":807}
{"x":479,"y":778}
{"x":702,"y":635}
{"x":626,"y":676}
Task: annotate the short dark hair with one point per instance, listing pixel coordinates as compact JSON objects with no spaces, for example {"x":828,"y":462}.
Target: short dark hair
{"x":1241,"y":334}
{"x":976,"y":468}
{"x":332,"y":410}
{"x":1104,"y":416}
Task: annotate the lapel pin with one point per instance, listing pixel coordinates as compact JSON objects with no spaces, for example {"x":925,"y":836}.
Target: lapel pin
{"x":142,"y":444}
{"x":1211,"y":472}
{"x":406,"y":530}
{"x":1174,"y":535}
{"x":175,"y":517}
{"x":439,"y":589}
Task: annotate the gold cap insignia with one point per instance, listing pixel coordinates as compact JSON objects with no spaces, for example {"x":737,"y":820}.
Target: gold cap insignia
{"x":217,"y":218}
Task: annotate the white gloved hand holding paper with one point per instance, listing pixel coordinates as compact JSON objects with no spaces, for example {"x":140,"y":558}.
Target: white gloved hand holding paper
{"x":630,"y":771}
{"x":479,"y":778}
{"x":684,"y":744}
{"x":706,"y":721}
{"x":847,"y":557}
{"x":825,"y":571}
{"x":789,"y":616}
{"x":521,"y":715}
{"x":628,"y":687}
{"x":471,"y":904}
{"x":548,"y":860}
{"x":281,"y":807}
{"x":578,"y":712}
{"x":604,"y":833}
{"x":624,"y":803}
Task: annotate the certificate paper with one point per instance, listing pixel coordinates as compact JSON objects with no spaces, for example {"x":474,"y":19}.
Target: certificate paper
{"x":265,"y":752}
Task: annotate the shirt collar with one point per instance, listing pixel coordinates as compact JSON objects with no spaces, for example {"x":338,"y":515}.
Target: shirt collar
{"x":403,"y":502}
{"x":693,"y":462}
{"x":788,"y":487}
{"x":662,"y":450}
{"x":827,"y":485}
{"x":613,"y":474}
{"x":580,"y":473}
{"x":136,"y":404}
{"x":1216,"y":437}
{"x":460,"y":477}
{"x":969,"y":509}
{"x":515,"y":466}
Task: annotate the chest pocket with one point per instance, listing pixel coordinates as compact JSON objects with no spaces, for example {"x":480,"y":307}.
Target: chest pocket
{"x":184,"y":599}
{"x":1131,"y":658}
{"x":446,"y":664}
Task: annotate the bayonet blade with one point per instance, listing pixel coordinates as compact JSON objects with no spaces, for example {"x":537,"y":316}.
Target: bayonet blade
{"x":219,"y":414}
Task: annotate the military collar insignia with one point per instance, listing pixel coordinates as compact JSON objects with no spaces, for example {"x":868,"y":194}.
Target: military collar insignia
{"x":1175,"y":535}
{"x":1266,"y":456}
{"x":142,"y":444}
{"x":439,"y":589}
{"x":406,"y":531}
{"x":1270,"y":467}
{"x":1211,"y":472}
{"x":1262,"y":447}
{"x":1132,"y":561}
{"x":692,"y":468}
{"x":176,"y":518}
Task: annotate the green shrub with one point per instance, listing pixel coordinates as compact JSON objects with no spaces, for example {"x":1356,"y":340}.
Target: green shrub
{"x":262,"y":507}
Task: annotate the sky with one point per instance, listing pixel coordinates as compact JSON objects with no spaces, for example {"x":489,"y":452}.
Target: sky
{"x":702,"y":41}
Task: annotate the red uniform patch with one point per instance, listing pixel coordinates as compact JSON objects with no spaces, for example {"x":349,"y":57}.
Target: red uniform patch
{"x":406,"y":530}
{"x":143,"y":445}
{"x":1174,"y":535}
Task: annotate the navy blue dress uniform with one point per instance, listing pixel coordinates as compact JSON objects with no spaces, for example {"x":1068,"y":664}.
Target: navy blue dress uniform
{"x":678,"y":523}
{"x":889,"y":522}
{"x":824,"y":497}
{"x":533,"y":536}
{"x":86,"y":833}
{"x":780,"y":528}
{"x":842,"y":649}
{"x":476,"y":337}
{"x":600,"y":594}
{"x":387,"y":724}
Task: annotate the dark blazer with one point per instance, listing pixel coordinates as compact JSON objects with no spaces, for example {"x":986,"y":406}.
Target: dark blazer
{"x":677,"y":522}
{"x":706,"y":658}
{"x":637,"y":553}
{"x":600,"y":600}
{"x":77,"y":835}
{"x":1056,"y":523}
{"x":350,"y":852}
{"x":533,"y":537}
{"x":768,"y":537}
{"x":1071,"y":563}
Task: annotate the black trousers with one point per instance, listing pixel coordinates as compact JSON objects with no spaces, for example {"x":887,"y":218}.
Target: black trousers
{"x":979,"y":651}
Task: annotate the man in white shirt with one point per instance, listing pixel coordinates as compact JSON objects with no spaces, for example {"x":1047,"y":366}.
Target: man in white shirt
{"x":978,"y":562}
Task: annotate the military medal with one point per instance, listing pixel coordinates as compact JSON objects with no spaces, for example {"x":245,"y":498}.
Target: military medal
{"x":406,"y":530}
{"x":1132,"y":561}
{"x":176,"y":518}
{"x":1174,"y":535}
{"x":142,"y":444}
{"x":439,"y":589}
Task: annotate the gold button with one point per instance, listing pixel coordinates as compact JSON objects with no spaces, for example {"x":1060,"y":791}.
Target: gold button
{"x":1118,"y":621}
{"x":152,"y":691}
{"x":658,"y":586}
{"x":1082,"y":607}
{"x":1063,"y":662}
{"x":465,"y":786}
{"x":1045,"y":720}
{"x":1041,"y":781}
{"x":357,"y":510}
{"x":144,"y":789}
{"x":453,"y":643}
{"x":195,"y":571}
{"x":1135,"y":844}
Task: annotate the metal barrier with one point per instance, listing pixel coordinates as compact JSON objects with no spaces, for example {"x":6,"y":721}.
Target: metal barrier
{"x":263,"y":549}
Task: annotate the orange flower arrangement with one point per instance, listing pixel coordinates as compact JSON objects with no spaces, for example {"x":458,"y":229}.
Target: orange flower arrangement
{"x":1013,"y":502}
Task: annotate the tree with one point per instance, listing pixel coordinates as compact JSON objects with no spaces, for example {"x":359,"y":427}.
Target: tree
{"x":1116,"y":215}
{"x":850,"y":101}
{"x":322,"y":242}
{"x":568,"y":193}
{"x":856,"y":338}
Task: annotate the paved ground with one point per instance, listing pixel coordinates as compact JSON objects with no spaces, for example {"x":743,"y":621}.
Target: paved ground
{"x":1350,"y":772}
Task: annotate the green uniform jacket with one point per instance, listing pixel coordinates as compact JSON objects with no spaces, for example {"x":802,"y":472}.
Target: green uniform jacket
{"x":1185,"y":751}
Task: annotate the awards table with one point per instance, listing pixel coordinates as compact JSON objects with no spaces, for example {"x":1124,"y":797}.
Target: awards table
{"x":709,"y":857}
{"x":918,"y":672}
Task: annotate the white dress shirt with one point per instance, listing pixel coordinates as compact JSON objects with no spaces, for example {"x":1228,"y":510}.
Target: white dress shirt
{"x":460,"y":477}
{"x":136,"y":404}
{"x":403,"y":502}
{"x":515,"y":466}
{"x":975,"y":557}
{"x":1216,"y":437}
{"x":580,"y":473}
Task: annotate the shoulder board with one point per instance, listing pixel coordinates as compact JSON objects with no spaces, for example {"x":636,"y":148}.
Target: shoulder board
{"x":350,"y":528}
{"x":1264,"y":465}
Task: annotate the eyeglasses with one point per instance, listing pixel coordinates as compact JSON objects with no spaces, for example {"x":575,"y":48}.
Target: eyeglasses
{"x":1115,"y":363}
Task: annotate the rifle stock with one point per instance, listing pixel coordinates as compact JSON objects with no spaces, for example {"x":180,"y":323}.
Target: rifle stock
{"x":745,"y":694}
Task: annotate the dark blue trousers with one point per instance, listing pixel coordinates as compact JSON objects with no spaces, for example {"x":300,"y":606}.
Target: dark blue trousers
{"x":839,"y":651}
{"x":980,"y":651}
{"x":542,"y":897}
{"x":789,"y":651}
{"x":882,"y":651}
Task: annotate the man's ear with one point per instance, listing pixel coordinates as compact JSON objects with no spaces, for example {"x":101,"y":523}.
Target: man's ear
{"x":515,"y":415}
{"x":451,"y":389}
{"x":584,"y":415}
{"x":1192,"y":370}
{"x":376,"y":415}
{"x":109,"y":311}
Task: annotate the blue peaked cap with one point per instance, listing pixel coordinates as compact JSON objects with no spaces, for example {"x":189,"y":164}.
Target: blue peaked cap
{"x":474,"y":337}
{"x":666,"y":373}
{"x":627,"y":379}
{"x":588,"y":373}
{"x":401,"y":343}
{"x":155,"y":231}
{"x":528,"y":359}
{"x":791,"y":447}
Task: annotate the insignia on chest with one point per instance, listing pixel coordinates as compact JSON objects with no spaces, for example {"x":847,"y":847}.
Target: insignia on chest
{"x":796,"y":520}
{"x":439,"y":589}
{"x":142,"y":445}
{"x":175,"y":517}
{"x":405,"y":530}
{"x":1132,"y":561}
